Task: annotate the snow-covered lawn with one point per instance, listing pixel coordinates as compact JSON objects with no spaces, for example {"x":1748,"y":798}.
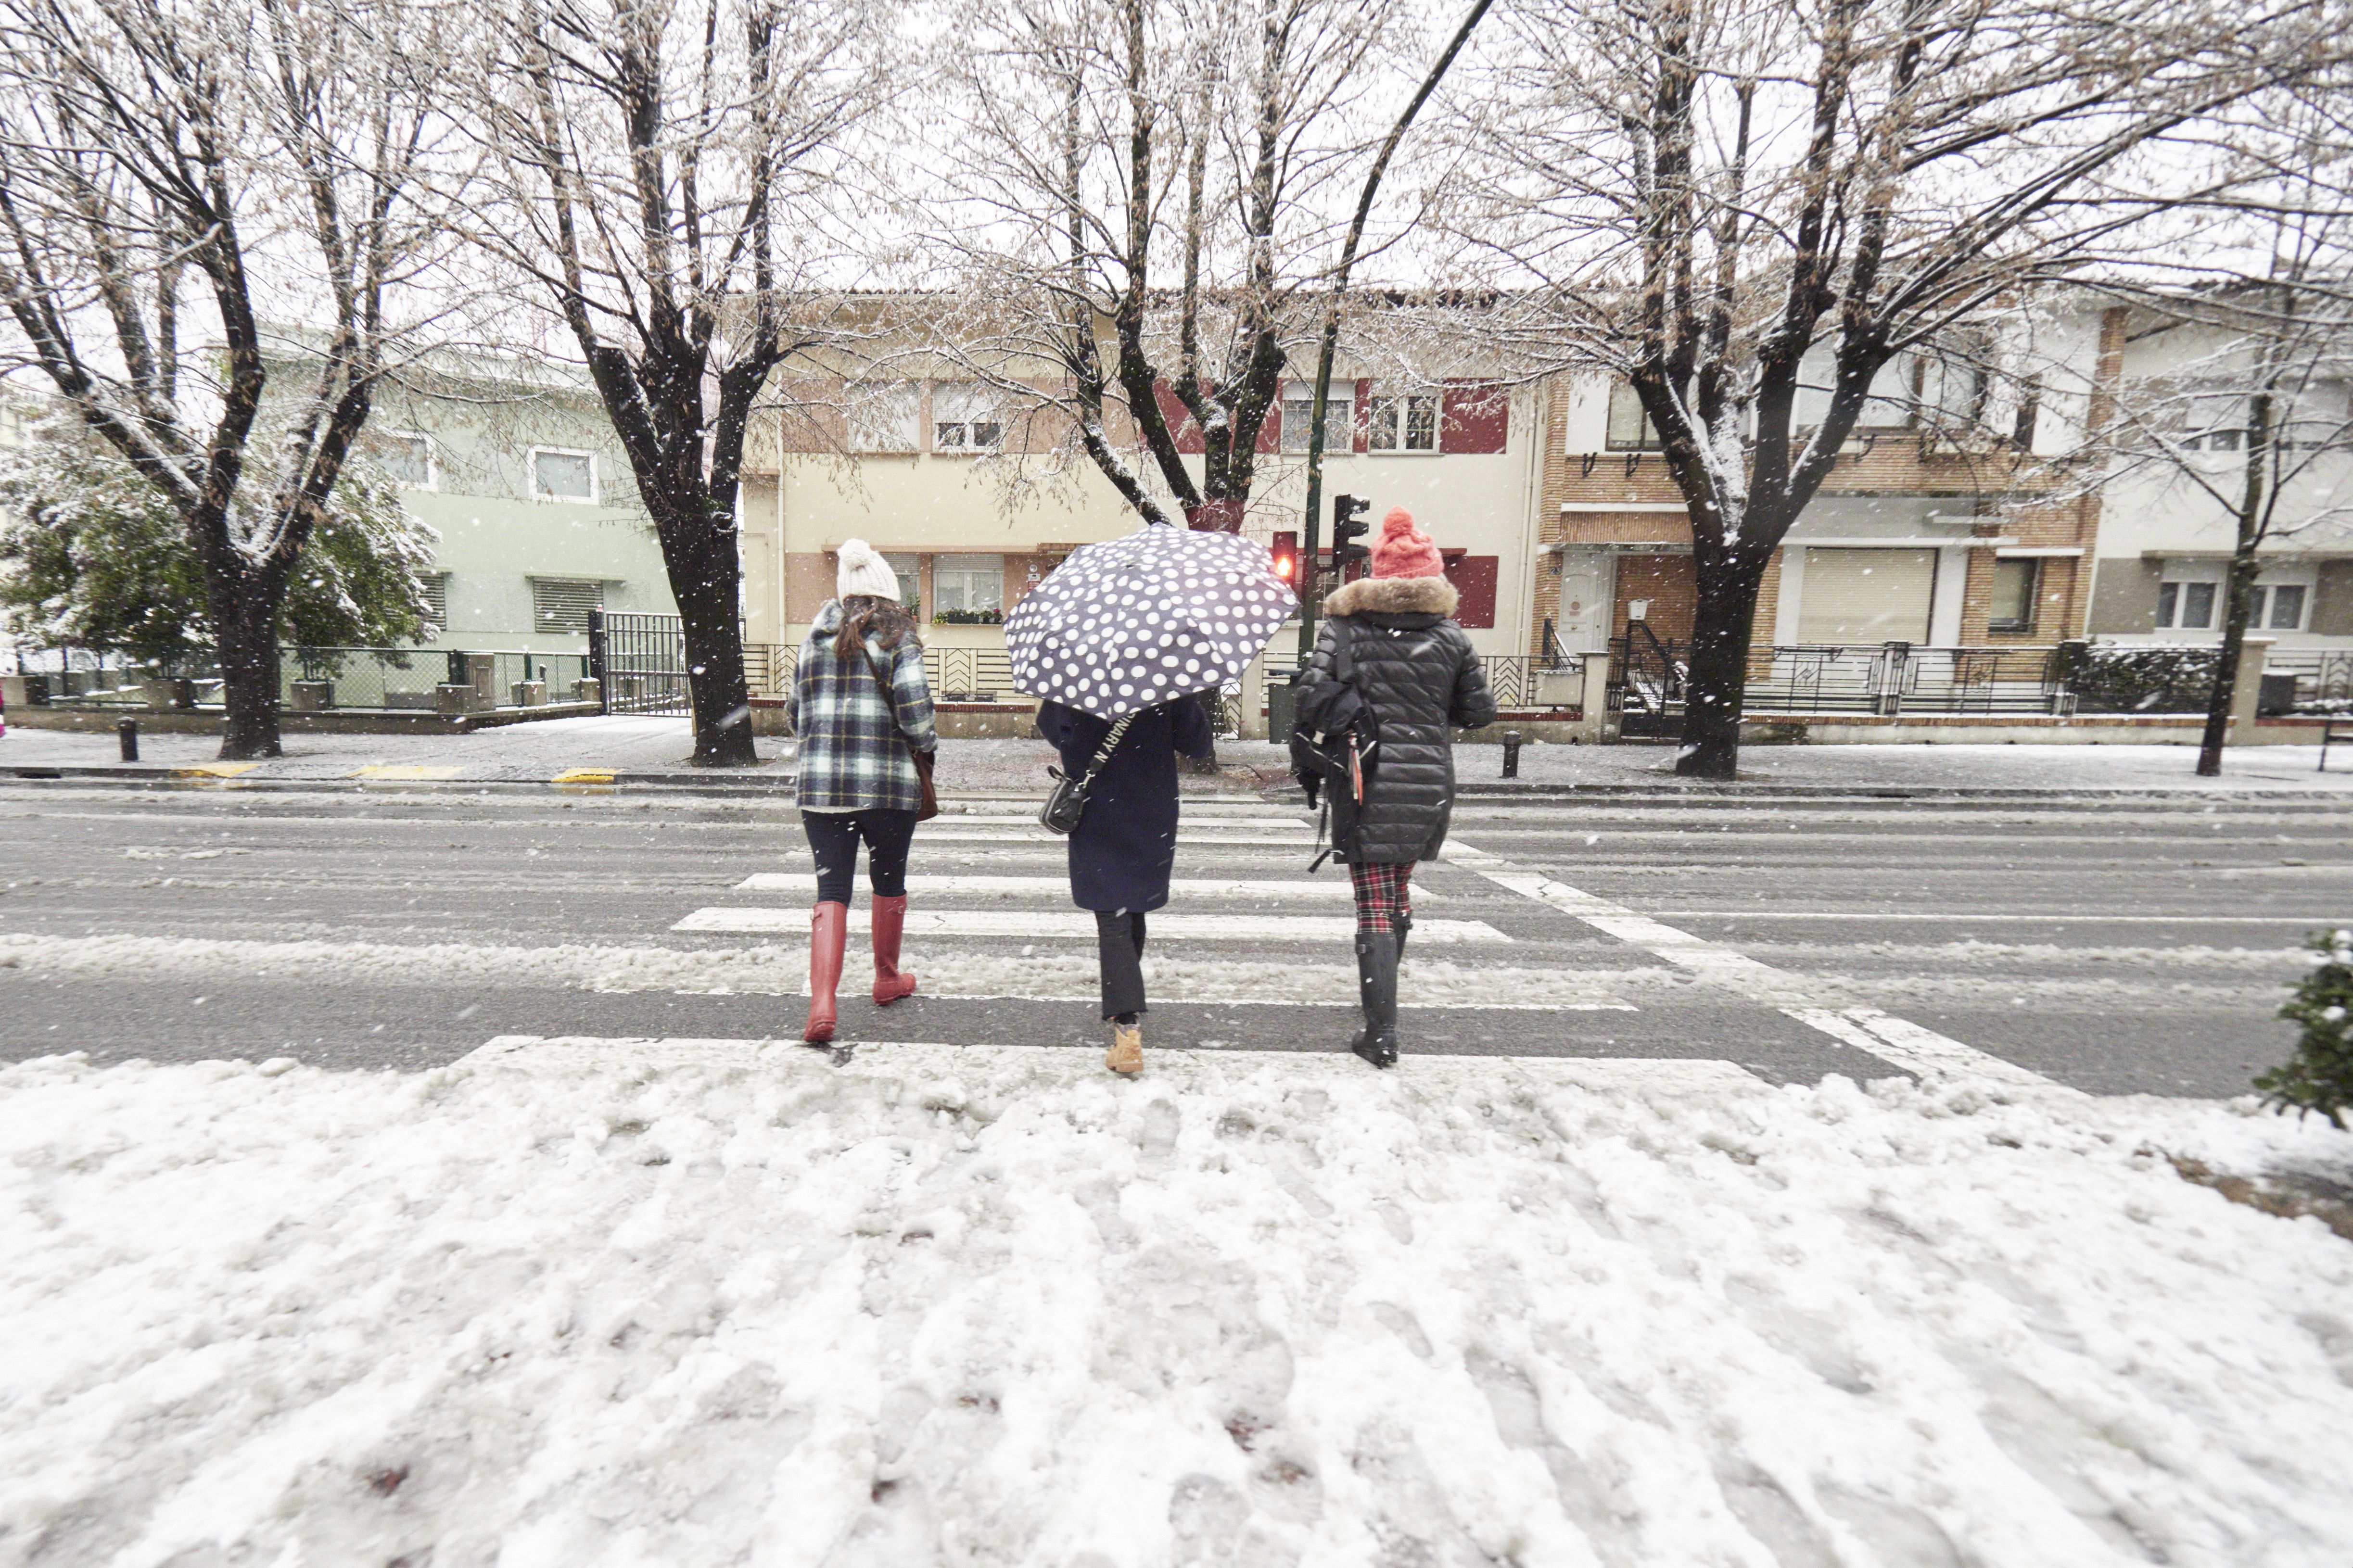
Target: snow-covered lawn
{"x":682,"y":1304}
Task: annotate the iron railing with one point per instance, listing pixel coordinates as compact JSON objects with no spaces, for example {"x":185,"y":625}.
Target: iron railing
{"x":2322,"y":675}
{"x":640,"y":658}
{"x":1520,"y":683}
{"x":1900,"y":677}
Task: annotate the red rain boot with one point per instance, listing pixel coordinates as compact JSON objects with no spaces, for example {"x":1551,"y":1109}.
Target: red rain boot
{"x":889,"y":916}
{"x":828,"y":935}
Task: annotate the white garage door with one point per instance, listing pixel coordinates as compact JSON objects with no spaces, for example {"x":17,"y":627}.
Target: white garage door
{"x":1866,"y":596}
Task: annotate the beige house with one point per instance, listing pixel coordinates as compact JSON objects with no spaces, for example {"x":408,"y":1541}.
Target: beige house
{"x":974,"y":495}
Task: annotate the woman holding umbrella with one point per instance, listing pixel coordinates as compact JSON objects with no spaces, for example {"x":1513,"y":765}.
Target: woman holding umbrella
{"x":1413,"y":666}
{"x":1125,"y":845}
{"x":1119,"y":640}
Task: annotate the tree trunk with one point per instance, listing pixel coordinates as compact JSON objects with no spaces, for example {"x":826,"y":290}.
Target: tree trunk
{"x":244,"y":620}
{"x":2237,"y":609}
{"x":1717,"y":681}
{"x":705,"y":578}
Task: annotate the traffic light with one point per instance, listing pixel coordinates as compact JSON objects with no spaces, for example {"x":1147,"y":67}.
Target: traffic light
{"x":1286,"y":559}
{"x":1346,"y":511}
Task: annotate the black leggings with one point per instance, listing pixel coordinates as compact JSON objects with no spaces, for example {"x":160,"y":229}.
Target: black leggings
{"x":1119,"y":947}
{"x":833,"y":839}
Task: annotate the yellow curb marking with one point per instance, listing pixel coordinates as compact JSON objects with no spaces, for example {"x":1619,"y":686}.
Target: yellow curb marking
{"x":583,"y":776}
{"x":213,"y":770}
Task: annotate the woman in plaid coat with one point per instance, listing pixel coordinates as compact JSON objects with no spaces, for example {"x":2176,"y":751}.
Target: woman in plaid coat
{"x":859,"y":704}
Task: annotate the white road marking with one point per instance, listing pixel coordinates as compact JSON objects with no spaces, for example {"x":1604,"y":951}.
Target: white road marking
{"x":1078,"y":924}
{"x":566,"y":1053}
{"x":931,"y":833}
{"x":920,"y":886}
{"x":2015,"y":917}
{"x":1892,"y":1039}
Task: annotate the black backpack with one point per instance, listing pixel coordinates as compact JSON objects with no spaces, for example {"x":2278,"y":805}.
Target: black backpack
{"x":1336,"y":742}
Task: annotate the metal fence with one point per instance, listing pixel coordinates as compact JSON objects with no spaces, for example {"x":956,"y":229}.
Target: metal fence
{"x":2322,"y":676}
{"x":1898,"y":678}
{"x":1520,"y":682}
{"x":1648,"y":676}
{"x":642,"y":660}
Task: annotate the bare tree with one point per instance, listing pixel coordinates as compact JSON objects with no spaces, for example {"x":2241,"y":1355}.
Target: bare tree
{"x":178,"y":182}
{"x":667,"y":175}
{"x":1140,"y":202}
{"x":1695,"y":194}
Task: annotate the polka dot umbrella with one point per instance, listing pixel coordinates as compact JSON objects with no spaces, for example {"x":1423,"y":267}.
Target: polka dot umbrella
{"x":1135,"y":621}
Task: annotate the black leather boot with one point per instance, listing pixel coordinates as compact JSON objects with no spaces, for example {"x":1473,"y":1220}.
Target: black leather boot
{"x":1377,"y":970}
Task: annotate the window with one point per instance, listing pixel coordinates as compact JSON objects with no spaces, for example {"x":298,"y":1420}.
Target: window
{"x":1404,"y":422}
{"x":435,"y":585}
{"x":2186,"y":606}
{"x":559,"y":605}
{"x":562,"y":476}
{"x":1887,"y":405}
{"x":1631,"y":430}
{"x":884,"y":416}
{"x":968,"y":588}
{"x":1299,"y":417}
{"x":406,"y":458}
{"x":966,"y":418}
{"x":907,"y":566}
{"x":2279,"y":607}
{"x":2011,"y":606}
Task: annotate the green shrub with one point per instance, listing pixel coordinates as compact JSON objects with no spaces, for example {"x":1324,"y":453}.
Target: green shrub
{"x":2320,"y":1077}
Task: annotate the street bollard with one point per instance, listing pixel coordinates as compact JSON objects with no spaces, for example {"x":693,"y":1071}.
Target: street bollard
{"x":1511,"y":753}
{"x":127,"y":732}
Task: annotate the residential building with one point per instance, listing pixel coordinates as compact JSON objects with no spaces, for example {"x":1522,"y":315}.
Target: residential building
{"x":517,"y":466}
{"x":974,"y":497}
{"x":1946,"y":523}
{"x":2167,"y":539}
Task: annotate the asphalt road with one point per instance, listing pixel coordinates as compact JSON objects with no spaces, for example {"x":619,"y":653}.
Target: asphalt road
{"x":2116,"y":947}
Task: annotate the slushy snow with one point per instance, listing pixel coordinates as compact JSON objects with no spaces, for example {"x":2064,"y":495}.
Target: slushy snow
{"x":679,"y":1303}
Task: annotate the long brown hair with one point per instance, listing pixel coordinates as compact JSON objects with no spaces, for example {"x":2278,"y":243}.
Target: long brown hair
{"x":867,"y":614}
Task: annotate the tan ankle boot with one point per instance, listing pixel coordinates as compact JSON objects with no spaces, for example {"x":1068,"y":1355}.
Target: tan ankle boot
{"x":1127,"y":1053}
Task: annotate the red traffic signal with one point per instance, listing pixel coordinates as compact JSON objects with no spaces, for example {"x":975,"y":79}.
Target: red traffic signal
{"x":1286,"y":558}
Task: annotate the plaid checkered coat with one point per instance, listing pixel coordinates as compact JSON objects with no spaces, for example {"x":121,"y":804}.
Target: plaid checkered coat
{"x":850,"y":750}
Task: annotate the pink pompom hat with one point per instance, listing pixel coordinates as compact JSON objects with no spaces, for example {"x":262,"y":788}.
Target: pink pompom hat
{"x":1404,"y":550}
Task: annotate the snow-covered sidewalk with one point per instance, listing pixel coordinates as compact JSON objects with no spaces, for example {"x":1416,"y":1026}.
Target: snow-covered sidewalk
{"x":682,"y":1304}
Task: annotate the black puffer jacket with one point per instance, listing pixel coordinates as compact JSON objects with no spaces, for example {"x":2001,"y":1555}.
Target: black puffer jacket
{"x":1415,"y":667}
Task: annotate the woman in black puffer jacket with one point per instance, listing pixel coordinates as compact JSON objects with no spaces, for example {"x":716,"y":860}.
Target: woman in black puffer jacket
{"x":1414,"y":666}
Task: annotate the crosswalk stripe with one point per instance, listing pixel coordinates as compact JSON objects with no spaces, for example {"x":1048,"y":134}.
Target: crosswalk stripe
{"x":1078,"y":925}
{"x":920,"y":886}
{"x":932,"y":832}
{"x":1899,"y":1041}
{"x":565,"y":1053}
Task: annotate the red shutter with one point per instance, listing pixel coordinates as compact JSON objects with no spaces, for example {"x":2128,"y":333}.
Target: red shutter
{"x":1473,"y":417}
{"x":1269,"y":429}
{"x":1180,"y":420}
{"x":1364,"y":416}
{"x":1473,"y":577}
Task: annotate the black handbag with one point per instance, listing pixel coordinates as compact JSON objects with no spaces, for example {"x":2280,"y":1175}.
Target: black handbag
{"x":1063,"y":808}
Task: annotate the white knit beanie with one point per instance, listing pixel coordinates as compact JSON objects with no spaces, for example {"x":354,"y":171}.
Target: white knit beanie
{"x":864,"y":572}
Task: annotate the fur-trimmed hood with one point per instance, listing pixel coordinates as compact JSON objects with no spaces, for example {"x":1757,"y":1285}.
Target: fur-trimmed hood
{"x":1393,"y":596}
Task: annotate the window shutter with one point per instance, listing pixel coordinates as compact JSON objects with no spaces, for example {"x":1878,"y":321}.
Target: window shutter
{"x":1474,"y":417}
{"x":1360,"y":420}
{"x":1187,"y":434}
{"x":559,"y":605}
{"x":1473,"y":577}
{"x":435,"y":585}
{"x":1862,"y":596}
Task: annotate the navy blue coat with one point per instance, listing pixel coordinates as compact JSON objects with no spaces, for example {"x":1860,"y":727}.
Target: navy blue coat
{"x":1126,"y":842}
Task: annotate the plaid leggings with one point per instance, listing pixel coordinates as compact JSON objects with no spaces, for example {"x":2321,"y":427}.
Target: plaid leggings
{"x":1384,"y":896}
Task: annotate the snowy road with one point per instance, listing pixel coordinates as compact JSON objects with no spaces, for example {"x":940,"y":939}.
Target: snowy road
{"x":1645,"y":1256}
{"x":2113,"y":947}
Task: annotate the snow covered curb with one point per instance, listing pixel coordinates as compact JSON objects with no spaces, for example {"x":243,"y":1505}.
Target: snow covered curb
{"x":678,"y":1304}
